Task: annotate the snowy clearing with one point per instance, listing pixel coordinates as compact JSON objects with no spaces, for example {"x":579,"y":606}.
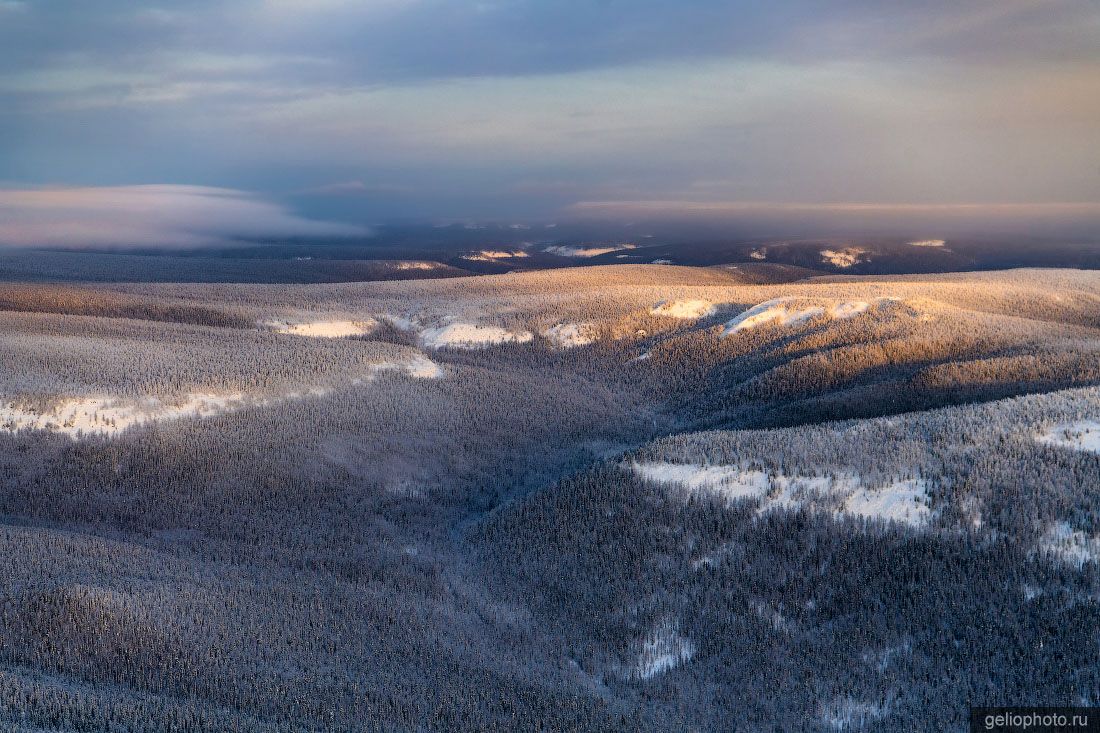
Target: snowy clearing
{"x":928,"y":243}
{"x":1081,"y":435}
{"x":661,"y":650}
{"x":729,"y":482}
{"x":904,"y":501}
{"x":419,"y":367}
{"x":325,"y":329}
{"x":782,"y":310}
{"x":901,"y":501}
{"x":759,"y":254}
{"x":1071,"y":546}
{"x":492,"y":255}
{"x":110,"y":414}
{"x":790,"y":311}
{"x":843,"y":258}
{"x":564,"y":250}
{"x":400,"y":322}
{"x":471,"y":336}
{"x":106,"y":415}
{"x":846,"y":713}
{"x":685,"y":309}
{"x":571,"y":335}
{"x":849,"y":308}
{"x":418,"y":265}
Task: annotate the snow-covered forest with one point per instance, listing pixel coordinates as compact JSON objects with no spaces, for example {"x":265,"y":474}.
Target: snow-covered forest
{"x":626,"y":497}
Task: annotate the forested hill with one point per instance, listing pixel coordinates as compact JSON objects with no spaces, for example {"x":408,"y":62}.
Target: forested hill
{"x":621,"y":497}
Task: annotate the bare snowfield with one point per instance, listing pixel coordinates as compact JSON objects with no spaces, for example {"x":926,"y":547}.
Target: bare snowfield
{"x":418,"y":367}
{"x":471,"y":336}
{"x":325,"y":329}
{"x":928,"y":243}
{"x":1081,"y":435}
{"x":784,"y":311}
{"x":107,"y":415}
{"x":792,"y":311}
{"x":571,"y":335}
{"x":684,"y":309}
{"x":904,"y":501}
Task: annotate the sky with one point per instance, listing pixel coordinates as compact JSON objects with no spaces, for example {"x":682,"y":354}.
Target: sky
{"x":328,"y":116}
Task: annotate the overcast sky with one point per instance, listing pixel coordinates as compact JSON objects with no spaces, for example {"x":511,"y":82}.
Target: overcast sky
{"x":544,"y":109}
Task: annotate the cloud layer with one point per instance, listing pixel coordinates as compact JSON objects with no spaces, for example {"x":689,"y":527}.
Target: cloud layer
{"x":1060,"y":219}
{"x":521,"y":108}
{"x":148,"y":216}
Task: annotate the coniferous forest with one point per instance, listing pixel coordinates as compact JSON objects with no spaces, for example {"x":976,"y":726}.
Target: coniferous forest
{"x":597,"y":498}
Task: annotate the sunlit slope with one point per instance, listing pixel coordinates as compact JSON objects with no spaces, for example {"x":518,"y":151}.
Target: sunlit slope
{"x":804,"y":358}
{"x":718,"y":350}
{"x":902,"y":565}
{"x":93,"y":374}
{"x":601,"y":293}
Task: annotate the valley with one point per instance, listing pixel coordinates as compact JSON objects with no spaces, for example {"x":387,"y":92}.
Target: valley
{"x":625,"y":497}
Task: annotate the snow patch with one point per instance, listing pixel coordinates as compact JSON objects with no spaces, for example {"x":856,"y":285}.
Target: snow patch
{"x":107,"y":415}
{"x":110,"y":414}
{"x":685,"y":309}
{"x":565,"y":250}
{"x":849,"y":308}
{"x":418,"y":265}
{"x":419,"y":367}
{"x":471,"y":336}
{"x":1081,"y":435}
{"x":492,"y":255}
{"x":661,"y":650}
{"x":571,"y":335}
{"x":902,"y":501}
{"x":759,"y":254}
{"x":846,"y":713}
{"x":400,"y":322}
{"x":783,"y":310}
{"x":905,"y":501}
{"x":845,"y":257}
{"x":324,"y":329}
{"x":1071,"y":546}
{"x":729,"y":482}
{"x":790,"y":311}
{"x":928,"y":243}
{"x":658,"y":262}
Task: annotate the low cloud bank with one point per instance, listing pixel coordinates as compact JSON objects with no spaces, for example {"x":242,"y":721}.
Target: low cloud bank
{"x":1068,"y":218}
{"x":149,"y":216}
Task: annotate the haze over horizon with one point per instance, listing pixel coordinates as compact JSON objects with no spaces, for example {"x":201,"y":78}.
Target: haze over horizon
{"x":265,"y":116}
